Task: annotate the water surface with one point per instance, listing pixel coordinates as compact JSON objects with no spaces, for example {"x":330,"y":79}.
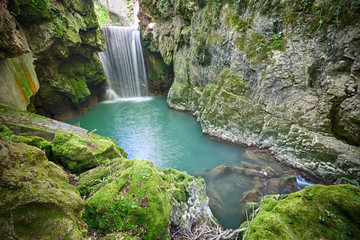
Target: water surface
{"x":146,"y":128}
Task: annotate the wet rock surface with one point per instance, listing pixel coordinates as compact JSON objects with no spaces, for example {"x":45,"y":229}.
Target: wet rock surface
{"x":315,"y":212}
{"x":36,"y":202}
{"x":64,"y":38}
{"x":260,"y":73}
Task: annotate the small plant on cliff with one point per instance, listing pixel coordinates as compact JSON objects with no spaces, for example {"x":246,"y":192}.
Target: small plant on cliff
{"x":163,"y":5}
{"x":102,"y":13}
{"x":40,"y":6}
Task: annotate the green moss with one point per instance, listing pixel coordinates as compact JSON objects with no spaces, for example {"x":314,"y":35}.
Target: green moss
{"x":179,"y":182}
{"x":102,"y":14}
{"x":237,"y":22}
{"x":78,"y":154}
{"x":33,"y":141}
{"x":21,"y":75}
{"x":37,"y":202}
{"x":317,"y":212}
{"x":133,"y":199}
{"x":231,"y":82}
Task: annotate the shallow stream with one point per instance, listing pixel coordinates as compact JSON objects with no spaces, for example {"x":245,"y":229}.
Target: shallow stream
{"x":146,"y":128}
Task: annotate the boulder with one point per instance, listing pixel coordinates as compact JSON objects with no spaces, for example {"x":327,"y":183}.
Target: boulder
{"x":253,"y":172}
{"x":250,"y":196}
{"x":36,"y":200}
{"x":218,"y":171}
{"x":217,"y":205}
{"x":316,"y":212}
{"x":133,"y":197}
{"x":250,"y":165}
{"x":78,"y":153}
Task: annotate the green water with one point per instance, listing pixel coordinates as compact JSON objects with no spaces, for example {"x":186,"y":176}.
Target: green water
{"x":148,"y":129}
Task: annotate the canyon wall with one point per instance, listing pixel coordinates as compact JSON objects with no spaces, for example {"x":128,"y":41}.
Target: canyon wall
{"x":282,"y":75}
{"x":63,"y":37}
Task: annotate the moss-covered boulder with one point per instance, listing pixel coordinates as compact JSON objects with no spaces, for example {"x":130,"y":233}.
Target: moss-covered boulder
{"x":133,"y":197}
{"x":36,"y":200}
{"x":317,"y":212}
{"x":128,"y":196}
{"x":78,"y":153}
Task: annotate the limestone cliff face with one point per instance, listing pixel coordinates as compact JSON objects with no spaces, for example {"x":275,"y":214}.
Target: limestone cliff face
{"x":278,"y":74}
{"x":18,"y":78}
{"x":64,"y":38}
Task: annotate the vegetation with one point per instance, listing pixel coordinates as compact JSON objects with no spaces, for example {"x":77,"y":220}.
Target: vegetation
{"x":80,"y":153}
{"x":316,"y":212}
{"x":102,"y":14}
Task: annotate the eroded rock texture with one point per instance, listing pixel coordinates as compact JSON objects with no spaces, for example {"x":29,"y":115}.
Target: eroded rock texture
{"x":283,"y":75}
{"x":64,"y":37}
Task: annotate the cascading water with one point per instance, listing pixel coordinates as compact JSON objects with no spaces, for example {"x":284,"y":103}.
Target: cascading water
{"x":123,"y":63}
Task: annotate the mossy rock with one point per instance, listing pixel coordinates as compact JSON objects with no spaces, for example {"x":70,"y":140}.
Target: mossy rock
{"x":79,"y":153}
{"x":132,"y":197}
{"x":317,"y":212}
{"x":128,"y":196}
{"x":36,"y":200}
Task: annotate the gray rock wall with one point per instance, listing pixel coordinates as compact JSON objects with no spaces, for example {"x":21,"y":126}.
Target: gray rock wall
{"x":281,"y":75}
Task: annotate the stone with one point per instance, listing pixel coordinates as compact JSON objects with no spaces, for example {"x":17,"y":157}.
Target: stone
{"x":37,"y":202}
{"x":216,"y":203}
{"x":250,"y":165}
{"x":238,"y":170}
{"x":253,"y":172}
{"x":79,"y":154}
{"x":60,"y":33}
{"x":139,"y":200}
{"x":315,"y":212}
{"x":252,"y":78}
{"x":250,"y":196}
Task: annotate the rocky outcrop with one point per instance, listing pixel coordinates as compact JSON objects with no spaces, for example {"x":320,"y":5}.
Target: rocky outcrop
{"x":125,"y":198}
{"x":63,"y":37}
{"x":79,"y":154}
{"x":36,"y":200}
{"x":273,"y":74}
{"x":18,"y":78}
{"x":119,"y":12}
{"x":317,"y":212}
{"x":132,"y":196}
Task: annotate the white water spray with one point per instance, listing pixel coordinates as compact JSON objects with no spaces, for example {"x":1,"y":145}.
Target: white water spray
{"x":123,"y":63}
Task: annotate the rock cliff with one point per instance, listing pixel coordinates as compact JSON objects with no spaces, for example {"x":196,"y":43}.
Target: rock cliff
{"x":278,"y":74}
{"x":63,"y":37}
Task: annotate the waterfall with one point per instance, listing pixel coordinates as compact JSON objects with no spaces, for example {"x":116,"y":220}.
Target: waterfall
{"x":123,"y":63}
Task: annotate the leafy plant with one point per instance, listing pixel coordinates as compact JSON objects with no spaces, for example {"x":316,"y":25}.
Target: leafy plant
{"x":102,"y":14}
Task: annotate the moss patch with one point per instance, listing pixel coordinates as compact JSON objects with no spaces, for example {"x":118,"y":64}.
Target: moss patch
{"x":36,"y":201}
{"x":128,"y":196}
{"x":317,"y":212}
{"x":79,"y":154}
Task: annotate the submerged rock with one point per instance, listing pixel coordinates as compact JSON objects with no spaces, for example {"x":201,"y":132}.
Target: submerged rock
{"x":79,"y":153}
{"x":36,"y":200}
{"x":250,"y":196}
{"x":218,"y":171}
{"x":250,"y":165}
{"x":317,"y":212}
{"x":216,"y":204}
